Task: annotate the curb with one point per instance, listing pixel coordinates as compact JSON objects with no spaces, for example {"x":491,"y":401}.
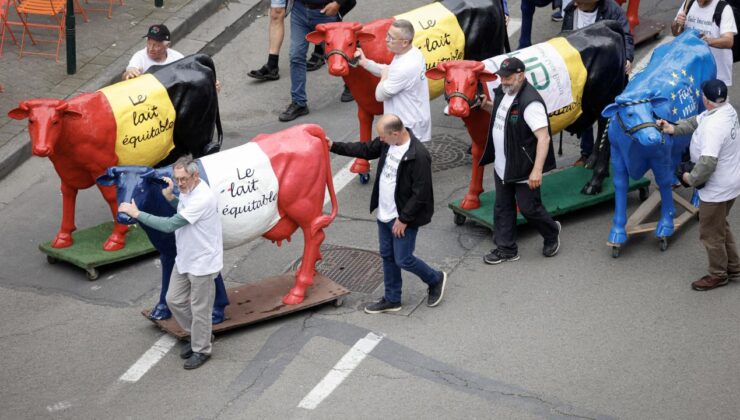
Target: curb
{"x":16,"y":151}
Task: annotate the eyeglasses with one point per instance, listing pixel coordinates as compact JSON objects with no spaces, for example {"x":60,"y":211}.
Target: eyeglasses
{"x":183,"y":179}
{"x":390,"y":38}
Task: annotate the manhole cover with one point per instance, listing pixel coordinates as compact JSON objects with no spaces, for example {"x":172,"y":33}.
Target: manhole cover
{"x":358,"y":270}
{"x":448,"y":152}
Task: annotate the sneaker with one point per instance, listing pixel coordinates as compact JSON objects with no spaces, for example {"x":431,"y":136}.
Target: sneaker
{"x":346,"y":95}
{"x":437,"y":292}
{"x":186,"y":351}
{"x":315,"y":62}
{"x":708,"y":282}
{"x":552,"y":249}
{"x":196,"y":360}
{"x":581,"y":161}
{"x":382,"y":306}
{"x":557,"y":16}
{"x":264,"y":73}
{"x":497,"y":257}
{"x":733,"y":276}
{"x":292,"y":112}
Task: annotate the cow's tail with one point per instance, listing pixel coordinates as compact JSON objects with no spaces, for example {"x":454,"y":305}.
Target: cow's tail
{"x":325,"y":220}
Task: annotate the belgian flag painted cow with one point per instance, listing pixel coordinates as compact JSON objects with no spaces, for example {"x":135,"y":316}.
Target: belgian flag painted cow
{"x":150,"y":120}
{"x":444,"y":31}
{"x":268,"y":187}
{"x":577,"y":76}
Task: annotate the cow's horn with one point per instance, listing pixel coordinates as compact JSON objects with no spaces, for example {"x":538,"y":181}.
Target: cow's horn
{"x":62,"y":106}
{"x":356,"y":26}
{"x":442,"y":66}
{"x":24,"y":106}
{"x":320,"y":27}
{"x":479,"y":66}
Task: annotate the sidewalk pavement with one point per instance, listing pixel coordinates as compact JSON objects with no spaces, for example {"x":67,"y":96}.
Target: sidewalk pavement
{"x":104,"y":47}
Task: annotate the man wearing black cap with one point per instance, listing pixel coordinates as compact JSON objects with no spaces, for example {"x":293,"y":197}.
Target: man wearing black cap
{"x":520,"y":148}
{"x":715,"y":171}
{"x":157,"y":52}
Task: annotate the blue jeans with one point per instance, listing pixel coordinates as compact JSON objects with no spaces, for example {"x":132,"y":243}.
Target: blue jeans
{"x":525,"y":32}
{"x":302,"y":21}
{"x":587,"y":141}
{"x":398,"y":253}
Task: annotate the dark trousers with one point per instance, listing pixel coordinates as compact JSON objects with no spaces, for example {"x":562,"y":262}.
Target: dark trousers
{"x":398,"y":253}
{"x":508,"y":196}
{"x":717,"y":237}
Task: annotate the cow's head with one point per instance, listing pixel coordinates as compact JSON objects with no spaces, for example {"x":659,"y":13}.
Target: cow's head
{"x":45,"y":122}
{"x":464,"y":82}
{"x":635,"y":114}
{"x":341,"y":40}
{"x":139,"y":183}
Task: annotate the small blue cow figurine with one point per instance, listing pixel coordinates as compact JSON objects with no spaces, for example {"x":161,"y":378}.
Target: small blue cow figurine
{"x":668,"y":88}
{"x":153,"y":202}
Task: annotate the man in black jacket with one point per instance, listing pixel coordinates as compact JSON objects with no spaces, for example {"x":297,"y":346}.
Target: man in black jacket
{"x":520,"y":147}
{"x":581,"y":13}
{"x":403,"y":195}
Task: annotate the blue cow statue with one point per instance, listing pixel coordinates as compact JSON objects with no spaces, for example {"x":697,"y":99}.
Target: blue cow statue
{"x":668,"y":88}
{"x":153,"y":202}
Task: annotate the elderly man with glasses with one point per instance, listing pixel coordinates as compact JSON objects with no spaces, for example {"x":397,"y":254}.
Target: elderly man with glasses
{"x":403,"y":87}
{"x":199,"y":242}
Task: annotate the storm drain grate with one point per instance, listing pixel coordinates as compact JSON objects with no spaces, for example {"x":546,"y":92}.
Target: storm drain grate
{"x":358,"y":270}
{"x":448,"y":152}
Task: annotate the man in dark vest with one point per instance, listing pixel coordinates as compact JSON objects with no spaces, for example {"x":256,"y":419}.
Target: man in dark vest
{"x":520,"y":147}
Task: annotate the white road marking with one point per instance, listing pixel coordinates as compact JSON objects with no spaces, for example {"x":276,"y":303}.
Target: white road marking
{"x":341,"y":179}
{"x":642,"y":63}
{"x":514,"y":26}
{"x":61,"y":405}
{"x":149,"y":359}
{"x":340,"y":371}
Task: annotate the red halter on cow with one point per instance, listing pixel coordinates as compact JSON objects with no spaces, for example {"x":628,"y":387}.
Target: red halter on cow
{"x":132,"y":122}
{"x":438,"y":28}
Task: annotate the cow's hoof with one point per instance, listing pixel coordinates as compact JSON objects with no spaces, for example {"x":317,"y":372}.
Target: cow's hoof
{"x":160,"y":312}
{"x":591,"y":189}
{"x":617,"y":236}
{"x":114,"y":244}
{"x":470,"y":202}
{"x":360,"y":166}
{"x":62,"y":240}
{"x":218,"y":315}
{"x":664,"y":230}
{"x":292,"y":299}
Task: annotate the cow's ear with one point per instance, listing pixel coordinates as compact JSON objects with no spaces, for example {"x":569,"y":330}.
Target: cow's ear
{"x":71,"y":113}
{"x":487,"y":76}
{"x":316,"y":37}
{"x":609,"y":111}
{"x":365,"y":37}
{"x":436,"y":74}
{"x":19,"y":113}
{"x":106,"y":180}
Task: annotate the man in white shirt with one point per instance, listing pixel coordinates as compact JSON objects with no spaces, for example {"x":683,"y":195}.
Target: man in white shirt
{"x":199,"y":242}
{"x":520,"y":147}
{"x":699,"y":15}
{"x":403,"y":86}
{"x":157,"y":52}
{"x":715,"y":157}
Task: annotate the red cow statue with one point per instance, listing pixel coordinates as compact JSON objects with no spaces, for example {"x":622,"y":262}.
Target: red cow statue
{"x":130,"y":122}
{"x":592,"y":60}
{"x":445,"y":30}
{"x":268,"y":187}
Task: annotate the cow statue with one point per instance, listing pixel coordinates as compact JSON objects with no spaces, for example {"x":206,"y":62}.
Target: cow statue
{"x":444,"y":31}
{"x":152,"y":201}
{"x":577,"y":75}
{"x":268,"y":187}
{"x":150,"y":120}
{"x":668,"y":88}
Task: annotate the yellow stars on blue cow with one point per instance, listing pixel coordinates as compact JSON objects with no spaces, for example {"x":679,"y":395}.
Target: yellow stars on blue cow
{"x":691,"y":79}
{"x":671,"y":82}
{"x":697,"y":93}
{"x":674,"y":110}
{"x":675,"y":76}
{"x":673,"y":96}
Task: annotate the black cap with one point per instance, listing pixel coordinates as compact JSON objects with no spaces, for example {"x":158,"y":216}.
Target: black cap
{"x":158,"y":33}
{"x":510,"y":66}
{"x":715,"y":90}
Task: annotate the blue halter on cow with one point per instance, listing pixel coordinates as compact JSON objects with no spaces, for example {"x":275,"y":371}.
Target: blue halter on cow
{"x":153,"y":202}
{"x":668,"y":88}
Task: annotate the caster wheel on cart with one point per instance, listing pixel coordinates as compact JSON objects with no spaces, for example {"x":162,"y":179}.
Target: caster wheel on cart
{"x":364,"y":178}
{"x":663,"y":244}
{"x":51,"y":260}
{"x":338,"y":302}
{"x":92,"y":274}
{"x":644,"y":192}
{"x":615,"y":251}
{"x":459,"y":219}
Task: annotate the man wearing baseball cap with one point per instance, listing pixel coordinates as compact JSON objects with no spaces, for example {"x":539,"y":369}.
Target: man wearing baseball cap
{"x":520,"y":148}
{"x":157,"y":52}
{"x":715,"y":171}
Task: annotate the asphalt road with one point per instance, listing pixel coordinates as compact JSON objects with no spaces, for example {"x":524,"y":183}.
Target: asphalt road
{"x":581,"y":335}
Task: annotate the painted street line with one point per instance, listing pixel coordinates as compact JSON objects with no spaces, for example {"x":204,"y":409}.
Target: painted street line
{"x":514,"y":26}
{"x":62,"y":405}
{"x":149,"y":359}
{"x":341,"y":179}
{"x":340,"y":371}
